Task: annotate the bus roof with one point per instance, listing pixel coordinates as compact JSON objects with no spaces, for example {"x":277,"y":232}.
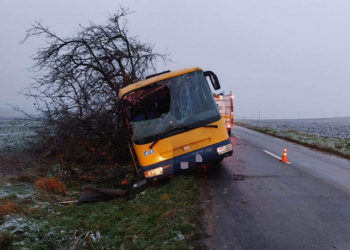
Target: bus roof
{"x":130,"y":88}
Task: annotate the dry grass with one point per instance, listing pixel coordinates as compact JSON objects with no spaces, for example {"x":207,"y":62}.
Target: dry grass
{"x":168,"y":215}
{"x":5,"y":240}
{"x":165,"y":198}
{"x":50,"y":185}
{"x":8,"y":207}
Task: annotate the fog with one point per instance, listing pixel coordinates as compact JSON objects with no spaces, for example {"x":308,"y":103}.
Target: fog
{"x":281,"y":59}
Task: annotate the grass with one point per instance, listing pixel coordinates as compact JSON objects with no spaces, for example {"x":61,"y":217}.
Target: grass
{"x":336,"y":146}
{"x":50,"y":185}
{"x":8,"y":207}
{"x":164,"y":216}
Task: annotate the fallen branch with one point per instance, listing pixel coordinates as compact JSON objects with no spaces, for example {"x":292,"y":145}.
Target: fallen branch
{"x":68,"y":202}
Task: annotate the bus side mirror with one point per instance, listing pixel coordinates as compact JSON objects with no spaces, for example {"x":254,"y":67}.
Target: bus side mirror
{"x":213,"y":78}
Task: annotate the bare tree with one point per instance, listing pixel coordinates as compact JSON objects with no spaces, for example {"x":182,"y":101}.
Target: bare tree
{"x":77,"y":84}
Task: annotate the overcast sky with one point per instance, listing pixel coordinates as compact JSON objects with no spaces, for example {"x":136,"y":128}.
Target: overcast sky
{"x":284,"y":59}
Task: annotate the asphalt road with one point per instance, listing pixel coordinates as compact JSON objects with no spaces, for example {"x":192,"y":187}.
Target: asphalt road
{"x":253,"y":201}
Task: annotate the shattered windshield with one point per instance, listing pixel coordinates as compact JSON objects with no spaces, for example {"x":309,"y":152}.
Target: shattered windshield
{"x":180,"y":102}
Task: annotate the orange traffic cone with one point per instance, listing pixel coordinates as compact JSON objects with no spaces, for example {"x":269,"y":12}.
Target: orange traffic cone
{"x":284,"y":158}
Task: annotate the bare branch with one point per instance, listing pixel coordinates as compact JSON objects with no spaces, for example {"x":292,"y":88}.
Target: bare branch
{"x":77,"y":83}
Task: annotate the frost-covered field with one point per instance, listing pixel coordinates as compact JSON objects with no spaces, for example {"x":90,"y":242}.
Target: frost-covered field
{"x":331,"y":135}
{"x":326,"y":127}
{"x":15,"y":132}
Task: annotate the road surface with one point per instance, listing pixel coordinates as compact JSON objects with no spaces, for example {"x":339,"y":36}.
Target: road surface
{"x":253,"y":201}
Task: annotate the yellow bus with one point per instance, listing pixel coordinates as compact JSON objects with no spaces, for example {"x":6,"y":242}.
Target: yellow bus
{"x":174,"y":122}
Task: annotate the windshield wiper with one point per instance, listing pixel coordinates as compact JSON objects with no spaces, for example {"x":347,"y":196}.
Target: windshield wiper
{"x":161,"y":136}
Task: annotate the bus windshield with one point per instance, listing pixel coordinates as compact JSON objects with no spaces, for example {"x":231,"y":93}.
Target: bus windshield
{"x":184,"y":101}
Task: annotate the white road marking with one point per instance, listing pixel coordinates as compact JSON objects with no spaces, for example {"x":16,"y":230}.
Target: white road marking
{"x":237,"y":136}
{"x":272,"y":154}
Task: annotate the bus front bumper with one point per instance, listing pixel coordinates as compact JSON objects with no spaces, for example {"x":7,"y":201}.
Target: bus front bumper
{"x":187,"y":161}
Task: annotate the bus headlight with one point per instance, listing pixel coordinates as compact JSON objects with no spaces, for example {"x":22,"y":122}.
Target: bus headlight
{"x":224,"y":149}
{"x":154,"y":172}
